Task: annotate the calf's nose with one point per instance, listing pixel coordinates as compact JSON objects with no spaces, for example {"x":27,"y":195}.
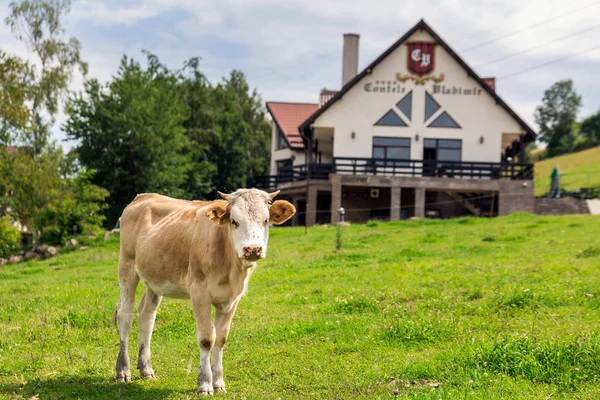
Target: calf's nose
{"x":252,"y":250}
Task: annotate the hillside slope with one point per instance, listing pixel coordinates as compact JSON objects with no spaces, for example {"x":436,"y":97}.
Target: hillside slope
{"x":577,"y":170}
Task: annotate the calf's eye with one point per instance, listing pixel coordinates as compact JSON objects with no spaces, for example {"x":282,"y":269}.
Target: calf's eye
{"x":266,"y":222}
{"x":235,"y":224}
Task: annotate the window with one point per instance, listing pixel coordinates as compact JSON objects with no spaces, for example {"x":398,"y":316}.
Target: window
{"x":285,"y":170}
{"x":287,"y":163}
{"x":281,"y":142}
{"x":443,"y":149}
{"x":390,"y":148}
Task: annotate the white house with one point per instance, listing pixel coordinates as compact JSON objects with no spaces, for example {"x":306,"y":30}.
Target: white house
{"x":416,"y":133}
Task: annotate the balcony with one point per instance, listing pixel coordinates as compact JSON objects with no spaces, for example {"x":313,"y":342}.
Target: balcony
{"x":405,"y":168}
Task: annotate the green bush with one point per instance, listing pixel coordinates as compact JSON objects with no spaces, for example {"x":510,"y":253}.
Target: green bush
{"x":10,"y":238}
{"x":80,"y":205}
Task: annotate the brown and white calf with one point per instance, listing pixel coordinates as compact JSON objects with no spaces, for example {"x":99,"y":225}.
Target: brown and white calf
{"x":205,"y":251}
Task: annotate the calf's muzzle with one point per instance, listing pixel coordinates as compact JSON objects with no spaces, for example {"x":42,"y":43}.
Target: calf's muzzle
{"x":253,"y":251}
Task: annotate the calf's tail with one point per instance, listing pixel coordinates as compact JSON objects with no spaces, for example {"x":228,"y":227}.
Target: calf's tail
{"x":114,"y":316}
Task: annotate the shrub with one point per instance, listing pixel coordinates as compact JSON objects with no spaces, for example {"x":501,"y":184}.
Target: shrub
{"x":79,"y":205}
{"x":372,"y":223}
{"x":10,"y":238}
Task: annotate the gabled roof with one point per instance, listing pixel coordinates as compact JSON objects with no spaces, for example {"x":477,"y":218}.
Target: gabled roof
{"x":421,"y":25}
{"x":288,"y":117}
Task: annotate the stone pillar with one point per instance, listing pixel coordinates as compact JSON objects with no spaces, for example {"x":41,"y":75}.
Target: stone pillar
{"x":420,"y":202}
{"x":295,"y":217}
{"x":515,"y":196}
{"x":395,"y":203}
{"x":311,"y":206}
{"x":336,"y":198}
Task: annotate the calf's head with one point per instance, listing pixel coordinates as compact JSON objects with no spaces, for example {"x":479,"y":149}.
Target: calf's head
{"x":248,"y":213}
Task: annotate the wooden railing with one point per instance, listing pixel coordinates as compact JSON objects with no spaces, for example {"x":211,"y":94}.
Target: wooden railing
{"x":292,"y":174}
{"x":420,"y":168}
{"x":412,"y":168}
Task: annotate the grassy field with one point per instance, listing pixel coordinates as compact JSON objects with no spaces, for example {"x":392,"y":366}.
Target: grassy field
{"x":462,"y":309}
{"x":577,"y":170}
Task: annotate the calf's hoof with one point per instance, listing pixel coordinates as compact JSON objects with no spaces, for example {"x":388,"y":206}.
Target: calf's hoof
{"x":205,"y":388}
{"x":220,"y":390}
{"x":123,"y":377}
{"x":147,"y":373}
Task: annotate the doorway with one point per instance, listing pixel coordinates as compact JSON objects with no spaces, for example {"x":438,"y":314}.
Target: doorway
{"x":429,"y":157}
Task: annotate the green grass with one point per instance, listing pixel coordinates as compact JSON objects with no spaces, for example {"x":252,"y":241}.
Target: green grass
{"x":457,"y":309}
{"x":577,"y":170}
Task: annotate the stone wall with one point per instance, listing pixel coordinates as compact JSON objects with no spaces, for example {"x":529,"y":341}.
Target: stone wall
{"x":546,"y":206}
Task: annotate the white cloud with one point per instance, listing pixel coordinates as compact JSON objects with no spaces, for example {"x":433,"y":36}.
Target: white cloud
{"x":101,"y":14}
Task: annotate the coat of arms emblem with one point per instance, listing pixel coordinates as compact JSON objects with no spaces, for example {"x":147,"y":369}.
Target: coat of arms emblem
{"x":421,"y":57}
{"x":421,"y":62}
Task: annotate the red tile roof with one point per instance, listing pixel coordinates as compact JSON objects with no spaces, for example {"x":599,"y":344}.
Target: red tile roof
{"x":288,"y":117}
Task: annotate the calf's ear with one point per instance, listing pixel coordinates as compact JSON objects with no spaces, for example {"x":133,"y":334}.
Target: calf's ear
{"x":280,"y":211}
{"x":218,"y":212}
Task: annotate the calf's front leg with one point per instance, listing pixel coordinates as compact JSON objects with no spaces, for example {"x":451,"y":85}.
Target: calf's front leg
{"x":222,"y":325}
{"x":206,"y":338}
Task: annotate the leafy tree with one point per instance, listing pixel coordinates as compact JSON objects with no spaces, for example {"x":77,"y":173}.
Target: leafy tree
{"x":241,"y":147}
{"x":79,"y":204}
{"x":15,"y":78}
{"x":39,"y":24}
{"x":197,"y":94}
{"x":556,"y":117}
{"x":170,"y":132}
{"x":34,"y":192}
{"x":228,"y":131}
{"x":589,"y":129}
{"x":28,"y":185}
{"x":131,"y":133}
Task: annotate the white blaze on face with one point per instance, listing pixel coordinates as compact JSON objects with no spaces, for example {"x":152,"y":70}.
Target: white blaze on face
{"x":249,"y":218}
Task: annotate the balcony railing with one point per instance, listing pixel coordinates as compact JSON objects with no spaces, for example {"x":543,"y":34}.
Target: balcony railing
{"x":292,"y":174}
{"x":410,"y":168}
{"x":432,"y":168}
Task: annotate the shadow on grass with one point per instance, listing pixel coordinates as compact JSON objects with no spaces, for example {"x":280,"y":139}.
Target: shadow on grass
{"x":76,"y":387}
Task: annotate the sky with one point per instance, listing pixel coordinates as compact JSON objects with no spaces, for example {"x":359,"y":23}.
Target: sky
{"x":291,"y":49}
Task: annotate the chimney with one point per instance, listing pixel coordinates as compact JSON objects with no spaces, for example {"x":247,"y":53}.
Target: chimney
{"x":350,"y":57}
{"x":325,"y":96}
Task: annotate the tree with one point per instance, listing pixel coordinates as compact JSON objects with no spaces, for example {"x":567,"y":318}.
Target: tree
{"x":241,"y":148}
{"x":40,"y":186}
{"x":590,"y":130}
{"x":556,"y":117}
{"x":196,"y":92}
{"x":170,"y":132}
{"x":79,"y":204}
{"x":33,"y":192}
{"x":228,"y":131}
{"x":38,"y":23}
{"x":131,"y":133}
{"x":15,"y":78}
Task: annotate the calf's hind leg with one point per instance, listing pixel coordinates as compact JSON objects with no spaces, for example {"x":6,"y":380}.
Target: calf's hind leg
{"x":128,"y":281}
{"x":146,"y":317}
